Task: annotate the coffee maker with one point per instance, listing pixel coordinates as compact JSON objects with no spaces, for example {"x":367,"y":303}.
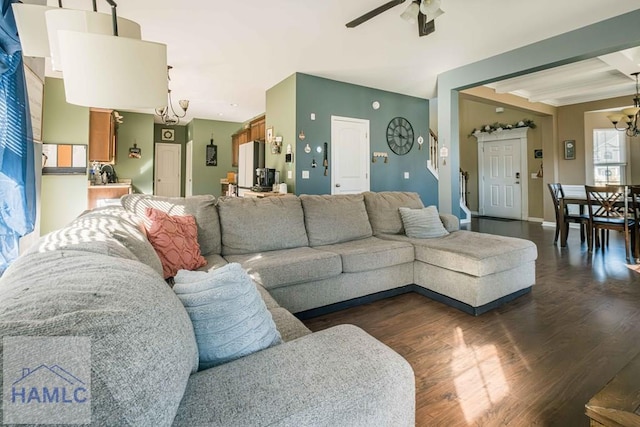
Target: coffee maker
{"x":266,"y":179}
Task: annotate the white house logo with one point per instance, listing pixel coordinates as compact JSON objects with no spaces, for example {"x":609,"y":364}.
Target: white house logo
{"x":47,"y":385}
{"x":47,"y":380}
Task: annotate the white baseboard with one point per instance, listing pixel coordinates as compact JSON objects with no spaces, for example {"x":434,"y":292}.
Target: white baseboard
{"x":553,"y":224}
{"x":533,"y":219}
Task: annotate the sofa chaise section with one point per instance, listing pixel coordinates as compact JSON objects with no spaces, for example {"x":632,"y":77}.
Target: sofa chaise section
{"x":337,"y":377}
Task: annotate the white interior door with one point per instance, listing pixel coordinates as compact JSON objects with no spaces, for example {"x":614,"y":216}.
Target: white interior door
{"x":167,"y":170}
{"x":188,"y":170}
{"x":501,"y":179}
{"x":349,"y":155}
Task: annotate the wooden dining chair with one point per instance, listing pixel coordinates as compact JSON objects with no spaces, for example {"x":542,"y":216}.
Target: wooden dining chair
{"x":634,"y":195}
{"x":557,"y":193}
{"x":607,"y":212}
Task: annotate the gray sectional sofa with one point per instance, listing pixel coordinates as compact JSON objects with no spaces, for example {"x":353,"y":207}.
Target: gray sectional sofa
{"x":100,"y":277}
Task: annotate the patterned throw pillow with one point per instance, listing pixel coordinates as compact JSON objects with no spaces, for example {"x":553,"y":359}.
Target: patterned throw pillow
{"x":422,"y":223}
{"x":175,"y":239}
{"x":230,"y":318}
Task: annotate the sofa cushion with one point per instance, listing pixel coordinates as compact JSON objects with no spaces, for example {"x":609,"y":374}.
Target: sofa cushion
{"x":288,"y":325}
{"x":251,"y":225}
{"x":202,"y":208}
{"x":230,"y":319}
{"x":175,"y":239}
{"x":335,"y":218}
{"x":422,"y":223}
{"x":119,"y":304}
{"x":371,"y":253}
{"x":109,"y":231}
{"x":472,"y":253}
{"x":289,"y":266}
{"x":213,"y":261}
{"x":382,"y":208}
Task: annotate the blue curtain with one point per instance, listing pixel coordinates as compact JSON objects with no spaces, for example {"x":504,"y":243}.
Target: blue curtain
{"x":17,"y":174}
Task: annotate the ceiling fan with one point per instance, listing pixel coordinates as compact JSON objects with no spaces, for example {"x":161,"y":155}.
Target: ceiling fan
{"x":424,"y":12}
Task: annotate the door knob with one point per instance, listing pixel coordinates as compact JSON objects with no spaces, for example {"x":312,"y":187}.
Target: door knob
{"x":517,"y":175}
{"x":337,"y":185}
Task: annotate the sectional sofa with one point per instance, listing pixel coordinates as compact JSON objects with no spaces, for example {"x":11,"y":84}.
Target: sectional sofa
{"x":317,"y":253}
{"x":100,"y":277}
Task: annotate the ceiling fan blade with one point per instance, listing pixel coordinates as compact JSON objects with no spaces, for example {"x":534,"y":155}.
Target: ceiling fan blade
{"x":425,"y":27}
{"x":373,"y":13}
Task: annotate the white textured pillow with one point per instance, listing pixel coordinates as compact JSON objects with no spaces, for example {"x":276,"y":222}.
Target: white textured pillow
{"x":229,"y":317}
{"x":422,"y":223}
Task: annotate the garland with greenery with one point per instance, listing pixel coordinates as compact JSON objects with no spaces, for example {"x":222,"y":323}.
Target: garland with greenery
{"x":498,"y":127}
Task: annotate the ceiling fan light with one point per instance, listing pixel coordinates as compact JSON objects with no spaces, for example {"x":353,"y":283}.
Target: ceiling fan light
{"x":113,"y":72}
{"x":410,"y":14}
{"x":87,"y":22}
{"x":32,"y":28}
{"x":184,"y":104}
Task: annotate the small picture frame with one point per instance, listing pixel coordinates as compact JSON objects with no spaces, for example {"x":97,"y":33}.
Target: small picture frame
{"x":168,"y":134}
{"x":570,"y":149}
{"x":212,"y":155}
{"x":269,"y":134}
{"x":537,"y":153}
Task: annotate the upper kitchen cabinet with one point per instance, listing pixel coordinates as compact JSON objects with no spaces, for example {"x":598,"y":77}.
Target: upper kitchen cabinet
{"x":102,"y":135}
{"x":257,"y":127}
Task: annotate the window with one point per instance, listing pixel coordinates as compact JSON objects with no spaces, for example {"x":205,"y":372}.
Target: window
{"x":609,"y":157}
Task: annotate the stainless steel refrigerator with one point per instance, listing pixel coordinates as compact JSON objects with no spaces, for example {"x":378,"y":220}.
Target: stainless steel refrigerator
{"x":250,"y":158}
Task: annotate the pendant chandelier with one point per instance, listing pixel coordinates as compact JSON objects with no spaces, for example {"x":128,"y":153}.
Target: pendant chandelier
{"x":629,"y":116}
{"x":167,"y":114}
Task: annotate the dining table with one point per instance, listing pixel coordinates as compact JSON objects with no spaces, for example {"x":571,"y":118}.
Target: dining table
{"x":576,"y":195}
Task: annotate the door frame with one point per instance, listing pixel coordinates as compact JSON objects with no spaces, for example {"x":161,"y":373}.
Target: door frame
{"x":188,"y":169}
{"x":365,"y":122}
{"x":155,"y":165}
{"x":518,"y":133}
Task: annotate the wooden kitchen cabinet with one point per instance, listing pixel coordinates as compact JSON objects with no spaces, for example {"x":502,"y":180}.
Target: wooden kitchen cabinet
{"x":258,"y":129}
{"x":237,"y":139}
{"x":102,"y":135}
{"x":109,"y":191}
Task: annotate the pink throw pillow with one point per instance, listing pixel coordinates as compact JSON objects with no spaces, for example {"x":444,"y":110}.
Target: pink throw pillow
{"x":175,"y":239}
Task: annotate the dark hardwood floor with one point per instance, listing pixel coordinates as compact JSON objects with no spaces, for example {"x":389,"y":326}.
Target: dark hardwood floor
{"x":535,"y":361}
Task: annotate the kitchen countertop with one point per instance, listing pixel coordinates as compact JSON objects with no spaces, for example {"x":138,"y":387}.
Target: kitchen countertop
{"x":112,"y":185}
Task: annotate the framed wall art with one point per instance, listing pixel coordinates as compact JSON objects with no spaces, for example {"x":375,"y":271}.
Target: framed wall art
{"x":570,"y":149}
{"x":64,"y":159}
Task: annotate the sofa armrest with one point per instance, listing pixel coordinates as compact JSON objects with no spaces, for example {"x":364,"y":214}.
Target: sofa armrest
{"x":450,"y":222}
{"x":339,"y":376}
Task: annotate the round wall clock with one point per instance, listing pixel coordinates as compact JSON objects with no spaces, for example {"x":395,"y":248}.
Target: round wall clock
{"x":400,"y":135}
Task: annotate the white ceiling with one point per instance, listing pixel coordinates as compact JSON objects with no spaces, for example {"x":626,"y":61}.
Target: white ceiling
{"x":230,"y":52}
{"x":603,"y":77}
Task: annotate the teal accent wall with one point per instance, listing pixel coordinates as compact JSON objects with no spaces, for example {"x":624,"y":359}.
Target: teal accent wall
{"x":64,"y":197}
{"x":610,"y":35}
{"x":206,"y":179}
{"x":281,"y":115}
{"x":325,"y":98}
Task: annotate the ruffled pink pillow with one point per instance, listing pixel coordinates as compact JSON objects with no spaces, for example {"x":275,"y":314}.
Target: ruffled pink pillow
{"x":175,"y":239}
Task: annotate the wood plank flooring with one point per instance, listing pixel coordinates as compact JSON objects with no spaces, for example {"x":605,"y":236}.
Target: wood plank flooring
{"x":533,"y":362}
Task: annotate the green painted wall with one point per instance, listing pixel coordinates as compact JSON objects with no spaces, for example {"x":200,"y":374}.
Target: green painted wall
{"x":64,"y":197}
{"x":135,"y":128}
{"x":281,"y":115}
{"x":610,"y":35}
{"x":206,"y":179}
{"x":329,"y":97}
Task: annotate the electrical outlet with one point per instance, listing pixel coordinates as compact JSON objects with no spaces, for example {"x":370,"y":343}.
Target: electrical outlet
{"x":305,"y":174}
{"x":406,"y":175}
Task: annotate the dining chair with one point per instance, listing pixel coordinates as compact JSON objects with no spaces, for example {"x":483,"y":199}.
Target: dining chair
{"x":607,"y":212}
{"x":634,"y":195}
{"x":557,"y":193}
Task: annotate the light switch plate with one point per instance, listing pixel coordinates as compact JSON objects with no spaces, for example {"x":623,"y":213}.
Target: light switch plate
{"x":289,"y":174}
{"x":406,"y":175}
{"x":305,"y":174}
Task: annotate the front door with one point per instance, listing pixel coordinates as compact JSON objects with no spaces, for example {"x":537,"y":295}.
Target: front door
{"x":501,"y":194}
{"x":349,"y":155}
{"x":167,"y":170}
